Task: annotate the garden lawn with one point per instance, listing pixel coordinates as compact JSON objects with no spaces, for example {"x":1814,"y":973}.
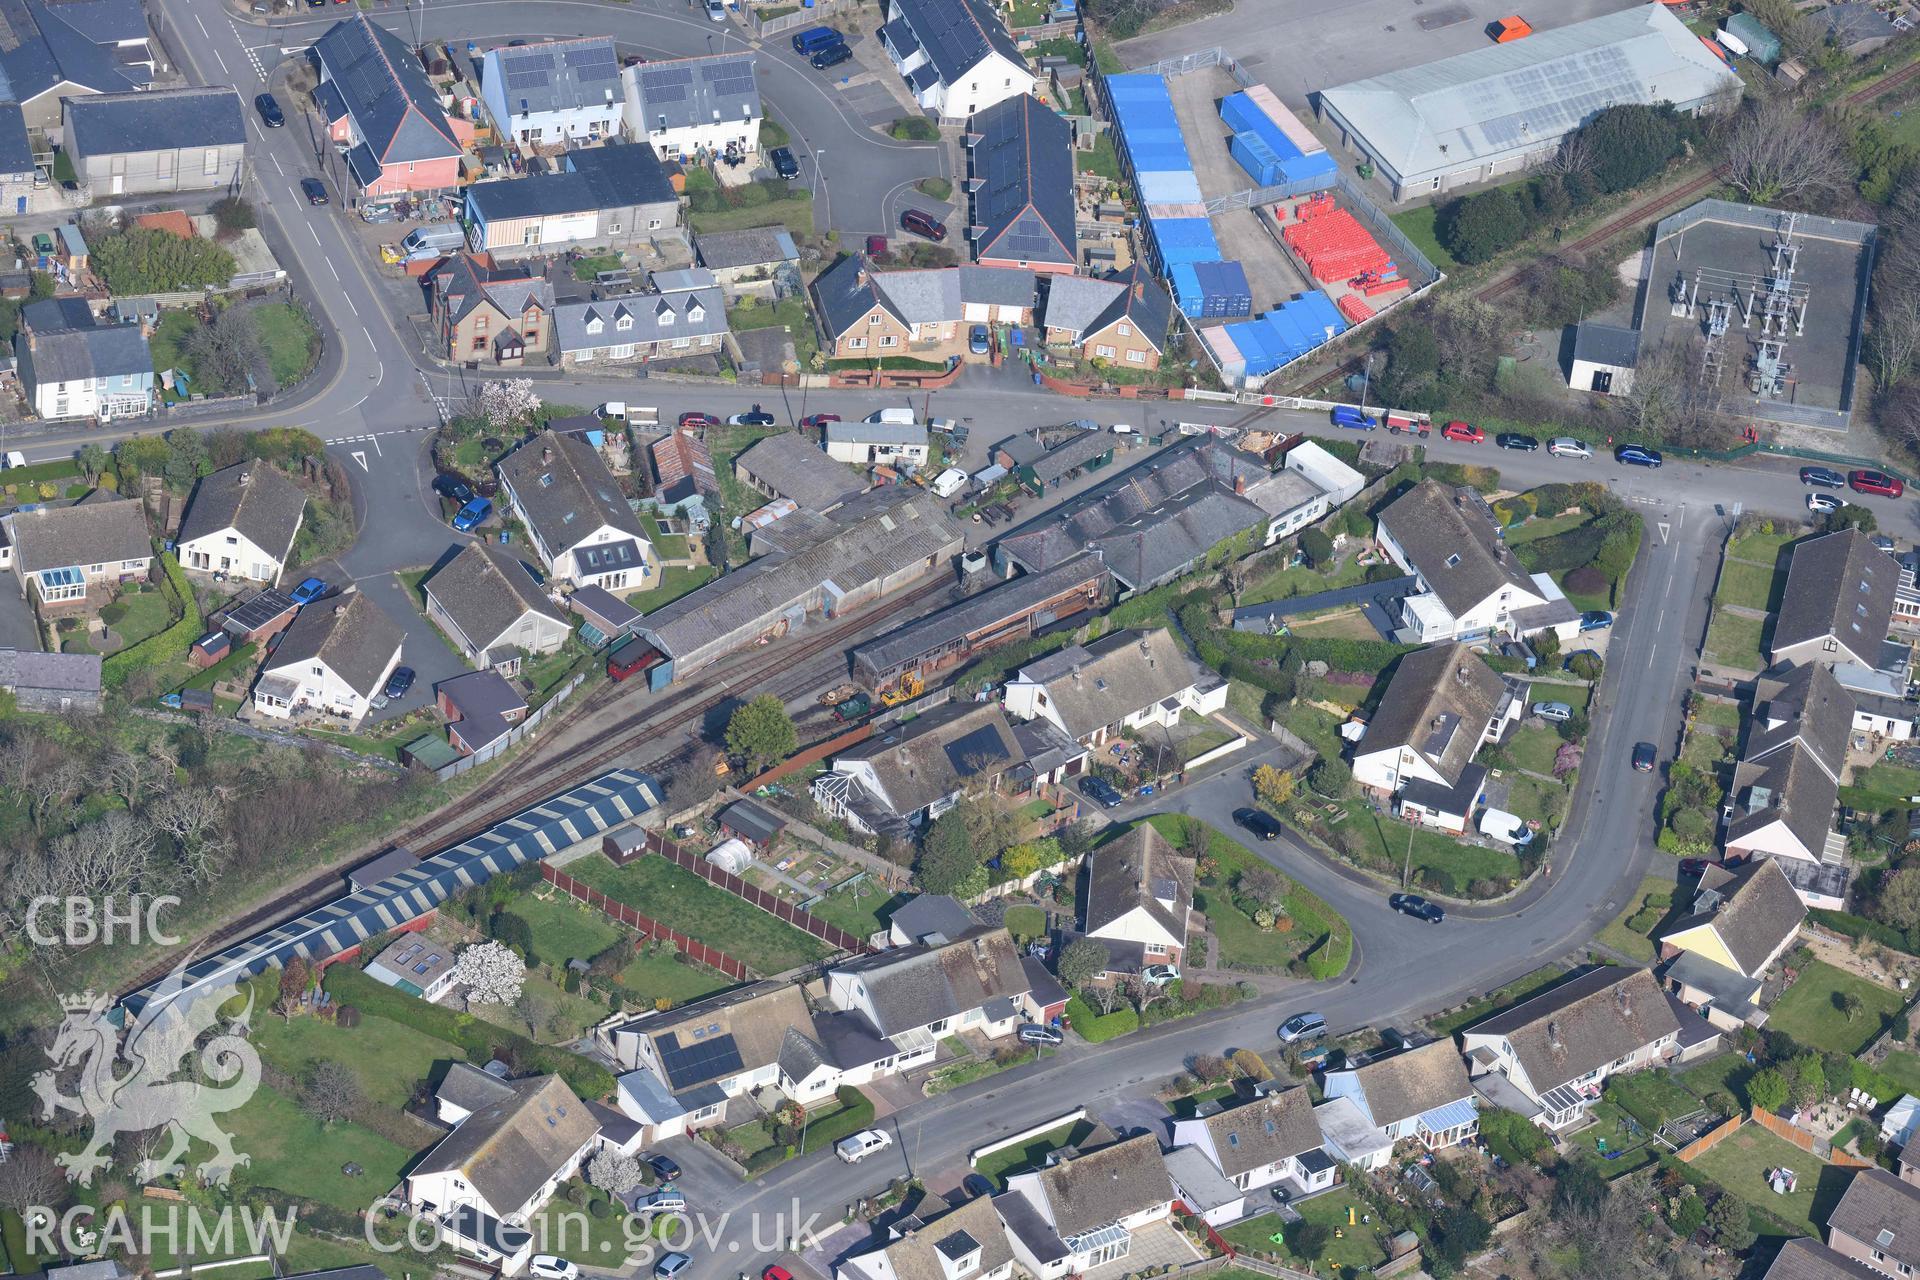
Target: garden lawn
{"x":557,"y":1016}
{"x":572,"y":1232}
{"x":1103,"y":159}
{"x":1356,"y":1249}
{"x":1533,"y":749}
{"x":1243,"y":944}
{"x":655,"y":975}
{"x":1761,"y":548}
{"x":1706,"y":750}
{"x":1810,"y":1010}
{"x":860,"y":909}
{"x":671,"y":546}
{"x":293,"y":1152}
{"x":1535,"y":800}
{"x":1651,"y":1097}
{"x":388,"y":1056}
{"x":588,"y":268}
{"x":148,"y":614}
{"x":1461,"y":864}
{"x":308,"y":1253}
{"x":565,"y":929}
{"x":790,"y":314}
{"x":1745,"y":584}
{"x":1890,"y":779}
{"x":1734,"y":641}
{"x":1513,"y":993}
{"x":1629,"y":932}
{"x":1537,"y":527}
{"x":289,"y":338}
{"x":1283,"y":583}
{"x":1574,"y":695}
{"x":679,"y":898}
{"x":1029,"y":1154}
{"x":675,"y":582}
{"x":1902,"y":1067}
{"x":1740,"y":1163}
{"x":1725,"y":1072}
{"x":1722,"y":715}
{"x":1418,"y":226}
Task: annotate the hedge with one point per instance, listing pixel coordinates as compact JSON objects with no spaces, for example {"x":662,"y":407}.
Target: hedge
{"x":166,"y":645}
{"x":1099,"y":1028}
{"x":481,"y":1040}
{"x":1853,"y":926}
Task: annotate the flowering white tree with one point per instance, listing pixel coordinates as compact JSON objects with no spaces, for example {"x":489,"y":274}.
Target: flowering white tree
{"x":612,"y":1172}
{"x":492,"y":973}
{"x":507,"y":404}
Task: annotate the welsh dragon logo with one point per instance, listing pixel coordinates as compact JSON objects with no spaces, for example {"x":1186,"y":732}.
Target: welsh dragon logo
{"x":172,"y":1026}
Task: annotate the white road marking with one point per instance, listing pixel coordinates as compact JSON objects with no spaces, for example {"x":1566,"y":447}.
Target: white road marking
{"x":360,"y":456}
{"x":313,"y":233}
{"x":1664,"y":526}
{"x":368,"y":334}
{"x":376,"y":447}
{"x":203,"y":28}
{"x":276,"y":164}
{"x":350,"y":306}
{"x":223,"y":62}
{"x":332,"y":268}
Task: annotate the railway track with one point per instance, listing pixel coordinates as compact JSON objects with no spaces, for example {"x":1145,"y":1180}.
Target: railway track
{"x":1866,"y":93}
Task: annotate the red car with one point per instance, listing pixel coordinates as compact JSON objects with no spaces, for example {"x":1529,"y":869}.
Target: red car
{"x":1463,"y":433}
{"x":876,"y":246}
{"x":819,"y":419}
{"x":1876,"y":482}
{"x":698,"y":420}
{"x":776,"y":1272}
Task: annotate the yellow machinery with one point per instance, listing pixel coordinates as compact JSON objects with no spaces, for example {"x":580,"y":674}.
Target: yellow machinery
{"x":909,"y":688}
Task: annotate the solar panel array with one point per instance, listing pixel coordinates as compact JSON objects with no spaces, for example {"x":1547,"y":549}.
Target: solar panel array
{"x":708,"y":1058}
{"x":664,"y":84}
{"x":1552,"y":98}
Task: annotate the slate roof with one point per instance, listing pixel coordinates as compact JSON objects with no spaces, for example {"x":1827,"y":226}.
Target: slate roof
{"x":616,"y":176}
{"x":385,"y":89}
{"x":691,"y":91}
{"x":1023,"y":161}
{"x":794,"y":468}
{"x":1439,"y":703}
{"x":565,"y":491}
{"x":464,"y":282}
{"x":105,"y":21}
{"x":1582,"y":1024}
{"x":1100,"y":684}
{"x":649,"y":317}
{"x":916,"y":1254}
{"x":1804,"y":1258}
{"x":49,"y":672}
{"x":1789,"y":786}
{"x":54,"y":46}
{"x":753,"y":1021}
{"x":486,"y":590}
{"x":926,"y":915}
{"x":1264,"y":1131}
{"x":1139,"y":871}
{"x":1104,"y":1186}
{"x":509,"y":1148}
{"x":1075,"y":451}
{"x":845,"y":292}
{"x":481,"y":701}
{"x":1838,"y":585}
{"x":1606,"y":344}
{"x":1753,"y":908}
{"x":555,"y":75}
{"x":83,"y":354}
{"x":1414,"y":1081}
{"x":957,"y":34}
{"x":937,"y":754}
{"x":16,"y":149}
{"x":751,"y":247}
{"x":1075,"y":302}
{"x":83,"y":534}
{"x":1881,"y":1212}
{"x":252,"y":498}
{"x":351,"y":634}
{"x":1140,"y":298}
{"x":153,"y":120}
{"x":1807,"y":704}
{"x":849,"y":289}
{"x":469,"y":1088}
{"x":1453,"y":545}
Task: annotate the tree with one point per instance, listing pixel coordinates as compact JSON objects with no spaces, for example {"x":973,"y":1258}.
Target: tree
{"x":492,"y":972}
{"x":1080,"y":961}
{"x":1778,"y":151}
{"x":1898,"y":901}
{"x":762,"y":733}
{"x":1273,"y":786}
{"x":1852,"y":515}
{"x":947,"y":854}
{"x":224,"y":353}
{"x":1767,"y":1091}
{"x":93,"y":461}
{"x":1316,"y":546}
{"x":1731,"y":1222}
{"x":1632,"y":143}
{"x":29,"y":1177}
{"x":186,"y":456}
{"x":144,"y":260}
{"x":1330,"y":776}
{"x":233,"y":214}
{"x":331,"y":1091}
{"x":1262,"y":884}
{"x":1852,"y":1005}
{"x":613,"y":1172}
{"x":1585,"y":665}
{"x":505,"y":926}
{"x":295,"y":977}
{"x":1462,"y":1234}
{"x":1250,"y":1064}
{"x":192,"y":820}
{"x":508,"y":404}
{"x":1479,"y":227}
{"x":1580,"y":1188}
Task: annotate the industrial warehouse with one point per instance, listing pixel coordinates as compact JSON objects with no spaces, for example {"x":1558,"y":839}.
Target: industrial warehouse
{"x":1480,"y":115}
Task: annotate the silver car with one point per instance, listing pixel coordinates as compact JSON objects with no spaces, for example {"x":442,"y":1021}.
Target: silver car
{"x":1302,"y":1026}
{"x":1558,"y":712}
{"x":1568,"y":447}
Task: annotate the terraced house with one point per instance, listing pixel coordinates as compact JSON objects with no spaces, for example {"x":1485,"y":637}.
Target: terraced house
{"x":1020,"y":154}
{"x":554,"y":91}
{"x":955,"y":55}
{"x":870,"y":314}
{"x":576,"y":516}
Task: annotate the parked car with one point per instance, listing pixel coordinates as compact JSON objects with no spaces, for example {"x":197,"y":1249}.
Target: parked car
{"x":399,"y":682}
{"x":1101,"y":792}
{"x":663,"y":1199}
{"x":665,"y":1166}
{"x":308,"y":591}
{"x":1302,"y":1026}
{"x":694,"y":418}
{"x":978,"y":1184}
{"x":1034,"y":1033}
{"x":1694,"y":867}
{"x":831,"y":56}
{"x":783,"y":162}
{"x":819,"y":419}
{"x":269,"y":109}
{"x":1259,"y":822}
{"x":1635,"y":455}
{"x":1644,"y":756}
{"x":1159,"y":975}
{"x":922,"y":223}
{"x":876,"y":246}
{"x":1558,"y":712}
{"x":1412,"y":904}
{"x":1566,"y":663}
{"x":862,"y":1144}
{"x":671,"y":1265}
{"x":1595,"y":620}
{"x":548,"y":1267}
{"x":977,"y":340}
{"x":716,"y":10}
{"x":1877,"y":482}
{"x":814,"y":39}
{"x":774,"y":1271}
{"x":1821,"y":504}
{"x":448,"y":485}
{"x":1514,"y":440}
{"x":1568,"y":447}
{"x":314,"y":190}
{"x":754,"y":417}
{"x":1822,"y":478}
{"x":1345,"y":415}
{"x":1464,"y":433}
{"x":471,"y":515}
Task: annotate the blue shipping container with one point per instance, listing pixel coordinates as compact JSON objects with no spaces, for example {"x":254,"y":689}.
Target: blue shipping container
{"x":1184,"y":240}
{"x":1312,"y":166}
{"x":1179,"y":187}
{"x":1256,"y":157}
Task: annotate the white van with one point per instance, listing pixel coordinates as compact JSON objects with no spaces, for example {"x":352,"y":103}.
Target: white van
{"x":892,"y":417}
{"x":1122,"y":429}
{"x":948,"y":482}
{"x":1507,"y":828}
{"x":862,"y":1144}
{"x":422,"y":240}
{"x":14,"y":458}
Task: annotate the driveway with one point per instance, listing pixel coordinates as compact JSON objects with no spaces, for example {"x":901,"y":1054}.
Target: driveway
{"x":18,"y":628}
{"x":432,"y":661}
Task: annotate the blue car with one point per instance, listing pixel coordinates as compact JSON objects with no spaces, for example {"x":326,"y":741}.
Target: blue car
{"x":1352,"y":419}
{"x":307,"y":592}
{"x":472,"y":514}
{"x":1633,"y":455}
{"x":1595,"y":620}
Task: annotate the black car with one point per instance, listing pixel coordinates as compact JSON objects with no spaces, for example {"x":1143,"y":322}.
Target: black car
{"x":1101,"y":792}
{"x":270,"y":113}
{"x":831,"y":56}
{"x":399,"y":683}
{"x":452,"y":486}
{"x":665,"y":1166}
{"x":783,"y":162}
{"x":754,"y":417}
{"x":314,"y":190}
{"x":1412,"y":904}
{"x":1259,"y":822}
{"x":1514,"y":440}
{"x":977,"y":1185}
{"x":1822,"y":478}
{"x":1643,"y":756}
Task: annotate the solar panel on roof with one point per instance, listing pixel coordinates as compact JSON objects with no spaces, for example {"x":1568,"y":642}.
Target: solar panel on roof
{"x":590,"y":56}
{"x":670,"y":75}
{"x":707,"y":1060}
{"x":671,"y":93}
{"x":531,"y":58}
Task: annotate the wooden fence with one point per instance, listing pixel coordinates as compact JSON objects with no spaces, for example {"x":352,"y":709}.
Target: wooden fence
{"x":1807,"y":1142}
{"x":1708,"y":1141}
{"x":712,"y":957}
{"x":779,"y":908}
{"x":818,"y":751}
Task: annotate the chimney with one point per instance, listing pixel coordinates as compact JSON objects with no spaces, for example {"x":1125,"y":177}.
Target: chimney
{"x":1625,"y":1001}
{"x":1554,"y":1042}
{"x":245,"y":478}
{"x":546,"y":453}
{"x":340,"y":610}
{"x":1240,"y":484}
{"x":1460,"y":674}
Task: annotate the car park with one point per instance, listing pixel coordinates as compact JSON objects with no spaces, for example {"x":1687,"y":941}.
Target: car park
{"x":1568,"y":447}
{"x":1258,"y":821}
{"x":1636,"y":455}
{"x":1464,"y":433}
{"x":665,"y":1166}
{"x":470,"y":516}
{"x":1352,"y":419}
{"x":831,"y":56}
{"x":308,"y":591}
{"x":549,"y":1267}
{"x":977,"y":340}
{"x":1821,"y":504}
{"x":1514,"y":440}
{"x":1412,"y":904}
{"x":1595,"y":620}
{"x":671,"y":1265}
{"x":922,"y":223}
{"x":1159,"y":975}
{"x":1876,"y":482}
{"x":1822,"y":478}
{"x":1034,"y":1033}
{"x":1302,"y":1026}
{"x":1644,"y":756}
{"x":448,"y":485}
{"x":754,"y":417}
{"x":783,"y":162}
{"x":269,"y":109}
{"x":858,"y":1147}
{"x":1101,"y":792}
{"x":314,"y":190}
{"x":1557,"y":712}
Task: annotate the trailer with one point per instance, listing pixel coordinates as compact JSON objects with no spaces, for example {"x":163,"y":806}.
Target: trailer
{"x":1415,"y":424}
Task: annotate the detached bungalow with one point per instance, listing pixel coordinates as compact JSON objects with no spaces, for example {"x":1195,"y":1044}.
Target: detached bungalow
{"x":1422,"y":1094}
{"x":967,"y":1243}
{"x":242,"y":523}
{"x":334,"y":658}
{"x":489,"y":605}
{"x":1077,"y":1214}
{"x":60,"y":554}
{"x":915,"y":995}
